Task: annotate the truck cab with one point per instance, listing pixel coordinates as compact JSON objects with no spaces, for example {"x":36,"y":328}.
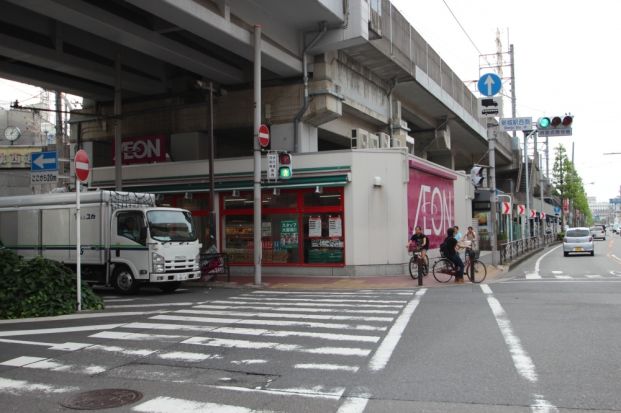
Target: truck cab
{"x":152,"y":245}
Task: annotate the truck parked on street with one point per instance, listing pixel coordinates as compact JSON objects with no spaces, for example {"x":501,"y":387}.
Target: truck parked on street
{"x":126,"y":241}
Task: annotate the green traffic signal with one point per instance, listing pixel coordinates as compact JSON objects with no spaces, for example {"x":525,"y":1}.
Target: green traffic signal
{"x":543,"y":123}
{"x":284,"y":172}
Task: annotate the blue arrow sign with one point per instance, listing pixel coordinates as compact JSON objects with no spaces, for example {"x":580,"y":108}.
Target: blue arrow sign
{"x":43,"y":161}
{"x":489,"y":84}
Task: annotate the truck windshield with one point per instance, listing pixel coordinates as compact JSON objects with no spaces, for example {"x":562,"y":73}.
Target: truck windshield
{"x":171,"y":226}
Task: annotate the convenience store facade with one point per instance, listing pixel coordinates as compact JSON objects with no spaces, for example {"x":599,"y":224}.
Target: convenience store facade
{"x":345,"y":212}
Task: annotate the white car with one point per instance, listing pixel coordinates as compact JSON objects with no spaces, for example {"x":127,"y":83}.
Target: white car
{"x":578,"y":240}
{"x":598,"y":232}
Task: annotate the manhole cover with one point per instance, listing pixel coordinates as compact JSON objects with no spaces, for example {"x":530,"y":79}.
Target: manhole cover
{"x":102,"y":399}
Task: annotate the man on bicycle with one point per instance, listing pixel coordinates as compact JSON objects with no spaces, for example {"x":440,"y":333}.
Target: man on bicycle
{"x":451,"y":253}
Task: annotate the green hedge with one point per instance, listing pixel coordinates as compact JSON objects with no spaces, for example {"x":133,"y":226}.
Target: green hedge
{"x":39,"y":287}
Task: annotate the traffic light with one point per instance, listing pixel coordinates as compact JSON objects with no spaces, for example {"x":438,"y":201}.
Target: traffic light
{"x":476,"y":176}
{"x":554,"y":122}
{"x":285,"y":165}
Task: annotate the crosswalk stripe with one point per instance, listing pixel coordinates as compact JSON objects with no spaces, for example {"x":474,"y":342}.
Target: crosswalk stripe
{"x":323,"y":300}
{"x":253,"y":332}
{"x":328,"y":367}
{"x":557,"y":272}
{"x":150,"y":305}
{"x":593,"y":276}
{"x":260,"y":306}
{"x":118,"y":335}
{"x":331,"y":293}
{"x":285,"y":315}
{"x":52,"y":365}
{"x":265,"y":345}
{"x":310,"y":304}
{"x":18,"y":387}
{"x":287,"y":323}
{"x":173,"y":405}
{"x":563,"y":277}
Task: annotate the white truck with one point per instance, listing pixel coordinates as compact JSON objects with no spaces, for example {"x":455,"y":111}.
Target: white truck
{"x":126,"y":241}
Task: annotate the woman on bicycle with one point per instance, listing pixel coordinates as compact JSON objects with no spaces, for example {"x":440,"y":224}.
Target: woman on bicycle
{"x":420,"y":241}
{"x":450,"y":250}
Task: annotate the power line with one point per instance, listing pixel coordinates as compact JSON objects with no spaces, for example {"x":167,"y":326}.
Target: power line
{"x":462,"y":27}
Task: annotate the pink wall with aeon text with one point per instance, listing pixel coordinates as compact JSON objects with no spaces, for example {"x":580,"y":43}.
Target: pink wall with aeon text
{"x":431,"y":203}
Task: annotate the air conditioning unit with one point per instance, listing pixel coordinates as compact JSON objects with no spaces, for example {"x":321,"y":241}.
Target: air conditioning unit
{"x":384,"y":140}
{"x":359,"y":139}
{"x":374,"y":141}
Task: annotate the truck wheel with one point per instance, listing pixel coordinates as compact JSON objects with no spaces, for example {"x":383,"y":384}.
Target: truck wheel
{"x":169,"y":287}
{"x":124,"y":281}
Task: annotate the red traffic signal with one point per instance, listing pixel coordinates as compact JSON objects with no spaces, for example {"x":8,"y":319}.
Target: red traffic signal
{"x":567,"y":120}
{"x":284,"y":158}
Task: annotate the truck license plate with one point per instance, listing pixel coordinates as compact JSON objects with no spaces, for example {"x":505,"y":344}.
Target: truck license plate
{"x":578,"y":249}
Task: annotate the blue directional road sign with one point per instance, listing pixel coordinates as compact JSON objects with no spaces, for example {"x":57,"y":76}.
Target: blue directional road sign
{"x":43,"y":161}
{"x":489,"y":84}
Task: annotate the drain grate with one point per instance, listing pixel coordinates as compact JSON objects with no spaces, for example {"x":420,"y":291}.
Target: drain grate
{"x":102,"y":399}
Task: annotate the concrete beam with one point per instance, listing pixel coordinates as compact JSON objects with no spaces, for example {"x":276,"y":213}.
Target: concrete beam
{"x":219,"y":29}
{"x":31,"y":53}
{"x":54,"y":81}
{"x":109,"y":26}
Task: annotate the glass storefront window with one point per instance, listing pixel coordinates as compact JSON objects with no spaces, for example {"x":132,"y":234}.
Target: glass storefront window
{"x":323,"y":238}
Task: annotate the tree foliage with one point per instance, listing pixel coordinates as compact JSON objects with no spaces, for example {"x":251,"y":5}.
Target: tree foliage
{"x":39,"y":287}
{"x":568,"y":183}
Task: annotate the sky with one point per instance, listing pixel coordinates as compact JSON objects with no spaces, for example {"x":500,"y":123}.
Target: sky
{"x":565,"y":62}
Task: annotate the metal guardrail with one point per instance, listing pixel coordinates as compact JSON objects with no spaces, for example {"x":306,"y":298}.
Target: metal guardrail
{"x":511,"y":250}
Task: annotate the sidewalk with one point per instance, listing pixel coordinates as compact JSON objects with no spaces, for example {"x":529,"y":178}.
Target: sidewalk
{"x":335,"y":283}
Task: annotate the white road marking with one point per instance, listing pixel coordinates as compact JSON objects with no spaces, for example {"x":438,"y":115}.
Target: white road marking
{"x":563,"y":277}
{"x":122,"y":350}
{"x":82,"y":316}
{"x":119,"y":335}
{"x":542,"y":406}
{"x":70,"y":346}
{"x":247,"y":301}
{"x":384,"y":351}
{"x":18,"y":387}
{"x":557,"y":272}
{"x":330,"y":293}
{"x":330,"y":367}
{"x":616,"y":258}
{"x":247,"y":344}
{"x":173,"y":405}
{"x":316,"y":392}
{"x":150,"y":305}
{"x":312,"y":324}
{"x":354,"y":404}
{"x":522,"y":361}
{"x":296,"y":316}
{"x":485,"y":288}
{"x":536,"y":274}
{"x":117,"y":300}
{"x":188,"y":356}
{"x":324,"y":300}
{"x":58,"y":330}
{"x":260,"y":306}
{"x":254,"y":332}
{"x":21,"y":361}
{"x":593,"y":276}
{"x":248,"y":362}
{"x":52,"y":365}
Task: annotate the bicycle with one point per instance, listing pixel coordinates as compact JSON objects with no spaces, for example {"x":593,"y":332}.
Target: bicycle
{"x":444,"y":269}
{"x":418,"y":265}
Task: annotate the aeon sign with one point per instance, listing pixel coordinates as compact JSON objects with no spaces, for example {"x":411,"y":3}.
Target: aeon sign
{"x":144,"y":149}
{"x":431,"y":203}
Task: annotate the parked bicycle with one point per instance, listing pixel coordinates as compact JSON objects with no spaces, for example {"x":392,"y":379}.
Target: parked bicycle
{"x":444,"y":269}
{"x":418,"y":265}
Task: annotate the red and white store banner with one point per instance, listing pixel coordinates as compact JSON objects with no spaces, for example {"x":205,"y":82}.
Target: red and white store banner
{"x":431,"y":203}
{"x":143,"y":149}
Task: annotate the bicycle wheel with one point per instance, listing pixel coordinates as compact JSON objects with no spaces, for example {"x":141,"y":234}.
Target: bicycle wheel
{"x":480,"y":272}
{"x":443,"y":270}
{"x":413,"y":266}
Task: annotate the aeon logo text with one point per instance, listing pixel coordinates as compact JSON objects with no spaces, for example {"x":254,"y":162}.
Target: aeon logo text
{"x":434,"y":211}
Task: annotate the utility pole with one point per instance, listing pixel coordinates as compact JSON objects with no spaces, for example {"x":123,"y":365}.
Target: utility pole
{"x":258,"y":250}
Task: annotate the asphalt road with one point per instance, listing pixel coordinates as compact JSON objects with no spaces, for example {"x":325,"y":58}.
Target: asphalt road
{"x":543,"y":338}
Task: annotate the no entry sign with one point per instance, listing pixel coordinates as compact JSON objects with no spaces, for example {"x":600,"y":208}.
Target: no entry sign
{"x":264,"y":136}
{"x":82,"y":165}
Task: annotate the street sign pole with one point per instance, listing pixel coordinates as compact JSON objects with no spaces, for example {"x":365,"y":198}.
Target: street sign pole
{"x":78,"y":257}
{"x":257,"y":156}
{"x":527,"y":229}
{"x":492,"y":133}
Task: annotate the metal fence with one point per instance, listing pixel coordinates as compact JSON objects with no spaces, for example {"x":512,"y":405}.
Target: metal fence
{"x":511,"y":250}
